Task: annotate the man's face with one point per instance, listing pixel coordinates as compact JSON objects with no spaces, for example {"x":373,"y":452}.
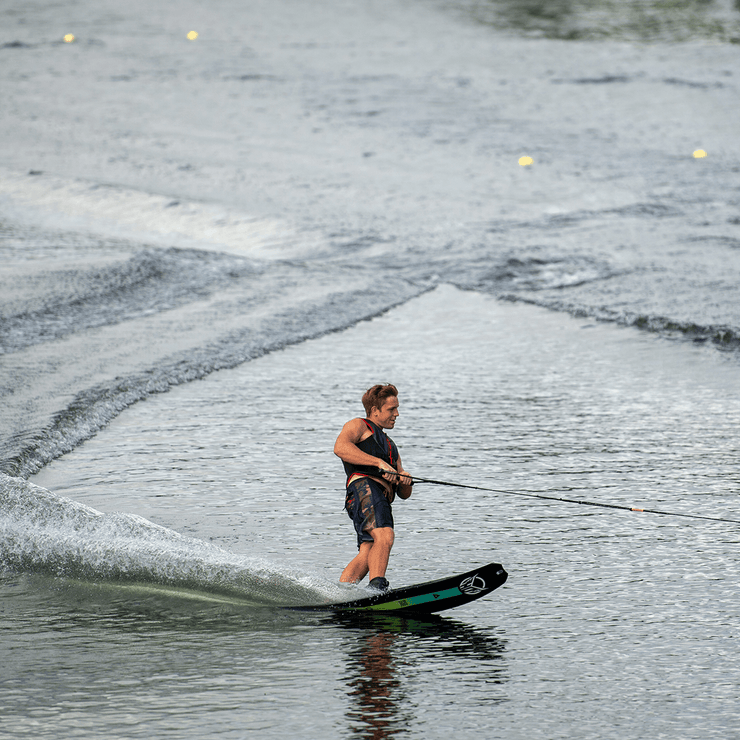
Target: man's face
{"x":386,"y":416}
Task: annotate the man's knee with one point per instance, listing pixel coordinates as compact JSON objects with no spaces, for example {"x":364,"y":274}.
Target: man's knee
{"x":383,"y":536}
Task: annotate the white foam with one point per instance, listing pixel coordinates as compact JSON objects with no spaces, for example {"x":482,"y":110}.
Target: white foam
{"x":43,"y":532}
{"x":114,"y":211}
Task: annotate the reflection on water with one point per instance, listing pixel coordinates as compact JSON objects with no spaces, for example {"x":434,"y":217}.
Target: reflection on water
{"x":131,"y":608}
{"x":388,"y":655}
{"x":162,"y":660}
{"x":378,"y":698}
{"x":629,"y":20}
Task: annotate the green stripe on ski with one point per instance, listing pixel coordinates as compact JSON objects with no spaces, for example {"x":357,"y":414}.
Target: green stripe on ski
{"x":415,"y":600}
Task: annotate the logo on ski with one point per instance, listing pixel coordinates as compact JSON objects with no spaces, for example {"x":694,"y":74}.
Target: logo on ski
{"x":472,"y":585}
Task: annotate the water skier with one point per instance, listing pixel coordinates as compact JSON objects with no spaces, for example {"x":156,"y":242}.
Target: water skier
{"x":365,"y":448}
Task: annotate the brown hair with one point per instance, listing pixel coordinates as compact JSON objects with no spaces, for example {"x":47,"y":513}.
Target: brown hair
{"x":376,"y":396}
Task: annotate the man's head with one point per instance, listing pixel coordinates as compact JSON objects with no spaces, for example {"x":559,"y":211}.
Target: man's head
{"x":381,"y":404}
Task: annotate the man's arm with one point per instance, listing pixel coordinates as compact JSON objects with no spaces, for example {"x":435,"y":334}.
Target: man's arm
{"x":405,"y":484}
{"x":346,"y":447}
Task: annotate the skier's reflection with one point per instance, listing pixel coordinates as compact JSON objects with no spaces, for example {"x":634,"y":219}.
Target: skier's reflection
{"x":383,"y":652}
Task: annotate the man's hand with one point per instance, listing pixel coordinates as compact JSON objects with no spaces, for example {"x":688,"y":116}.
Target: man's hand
{"x":393,"y":475}
{"x":405,"y":479}
{"x":387,"y":472}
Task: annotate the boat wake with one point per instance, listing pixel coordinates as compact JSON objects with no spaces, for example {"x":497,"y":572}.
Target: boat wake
{"x":49,"y":535}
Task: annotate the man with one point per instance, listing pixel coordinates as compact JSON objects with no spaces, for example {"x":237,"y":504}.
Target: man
{"x":366,"y":450}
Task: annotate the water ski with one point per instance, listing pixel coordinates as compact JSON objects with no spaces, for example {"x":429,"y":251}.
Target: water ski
{"x":425,"y":598}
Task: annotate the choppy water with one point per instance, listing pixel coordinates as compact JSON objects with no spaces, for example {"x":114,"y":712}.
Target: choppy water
{"x":209,"y":249}
{"x":603,"y":610}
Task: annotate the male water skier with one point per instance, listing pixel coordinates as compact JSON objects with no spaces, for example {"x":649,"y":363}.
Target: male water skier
{"x":365,"y":449}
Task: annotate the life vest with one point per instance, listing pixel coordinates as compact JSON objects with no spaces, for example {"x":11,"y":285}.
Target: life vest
{"x":378,"y":444}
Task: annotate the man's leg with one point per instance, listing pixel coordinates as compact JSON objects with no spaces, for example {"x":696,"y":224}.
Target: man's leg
{"x":358,"y":567}
{"x":372,"y":557}
{"x":380,"y":551}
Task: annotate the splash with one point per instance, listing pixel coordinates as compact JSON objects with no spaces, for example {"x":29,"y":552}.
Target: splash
{"x":46,"y":534}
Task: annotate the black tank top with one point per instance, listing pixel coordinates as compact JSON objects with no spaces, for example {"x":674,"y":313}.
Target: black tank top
{"x":378,"y":444}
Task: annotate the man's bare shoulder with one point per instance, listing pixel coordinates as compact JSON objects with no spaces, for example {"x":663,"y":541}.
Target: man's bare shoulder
{"x":356,"y":428}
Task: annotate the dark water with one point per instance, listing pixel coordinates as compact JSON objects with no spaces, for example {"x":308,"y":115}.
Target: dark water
{"x":634,"y":20}
{"x":208,"y":250}
{"x":603,"y":610}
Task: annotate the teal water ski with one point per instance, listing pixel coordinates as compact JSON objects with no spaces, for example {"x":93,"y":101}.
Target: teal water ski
{"x":425,"y":598}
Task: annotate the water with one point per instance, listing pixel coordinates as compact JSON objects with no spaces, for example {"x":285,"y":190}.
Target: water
{"x":603,"y":610}
{"x":211,"y":248}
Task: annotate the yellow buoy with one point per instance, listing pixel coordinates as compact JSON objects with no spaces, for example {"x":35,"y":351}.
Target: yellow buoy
{"x":69,"y":38}
{"x":193,"y":35}
{"x":699,"y":154}
{"x":525,"y":161}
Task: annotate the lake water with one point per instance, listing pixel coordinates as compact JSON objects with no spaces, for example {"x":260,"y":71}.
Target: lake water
{"x":614,"y":623}
{"x":210,"y":248}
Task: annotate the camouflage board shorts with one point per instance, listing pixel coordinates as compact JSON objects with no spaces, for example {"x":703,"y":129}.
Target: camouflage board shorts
{"x":368,"y":507}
